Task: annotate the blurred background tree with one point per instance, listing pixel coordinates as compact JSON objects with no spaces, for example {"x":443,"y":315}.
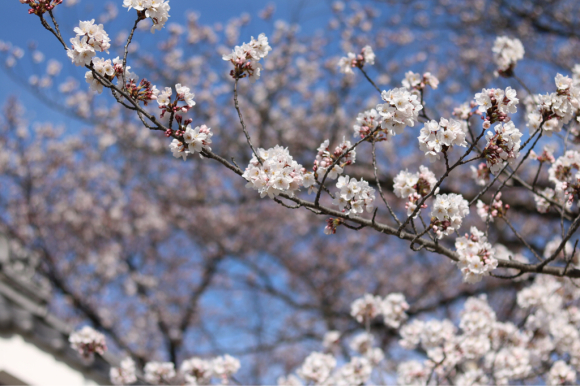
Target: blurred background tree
{"x":174,"y":259}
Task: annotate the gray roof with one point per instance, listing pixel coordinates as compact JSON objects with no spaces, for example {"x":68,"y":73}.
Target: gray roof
{"x":24,"y":311}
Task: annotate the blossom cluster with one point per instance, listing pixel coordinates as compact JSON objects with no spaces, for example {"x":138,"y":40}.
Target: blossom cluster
{"x":245,"y":58}
{"x":224,"y":366}
{"x":502,"y":147}
{"x":196,"y":140}
{"x":464,"y":111}
{"x":415,"y":81}
{"x":354,"y":196}
{"x":156,"y":10}
{"x":555,"y":109}
{"x":317,"y":367}
{"x":476,"y":256}
{"x":198,"y":371}
{"x":347,"y":63}
{"x":38,"y":7}
{"x":276,"y":172}
{"x":565,"y":174}
{"x":401,"y":109}
{"x":90,"y":38}
{"x":392,"y":308}
{"x":414,"y":186}
{"x":437,"y":338}
{"x":144,"y":91}
{"x":195,"y":371}
{"x":332,"y":224}
{"x":125,"y":374}
{"x":547,"y":155}
{"x":439,"y":137}
{"x":157,"y":373}
{"x":321,"y":368}
{"x":355,"y":372}
{"x":87,"y":341}
{"x":361,"y":343}
{"x":496,"y":104}
{"x":364,"y":344}
{"x":484,"y":346}
{"x":448,"y":213}
{"x":183,"y":94}
{"x":553,"y":316}
{"x":426,"y":334}
{"x":101,"y":67}
{"x":331,"y":339}
{"x":412,"y":373}
{"x":506,"y":53}
{"x":561,"y":374}
{"x":498,"y":208}
{"x":368,"y":121}
{"x":325,"y":159}
{"x":110,"y":69}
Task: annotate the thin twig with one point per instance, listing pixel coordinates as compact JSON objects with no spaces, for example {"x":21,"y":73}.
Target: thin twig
{"x":504,"y":218}
{"x":242,"y":122}
{"x":379,"y":184}
{"x":537,"y":175}
{"x":49,"y":28}
{"x":507,"y":277}
{"x":129,"y":39}
{"x":370,"y":80}
{"x":571,"y":231}
{"x":54,"y":22}
{"x":424,"y":110}
{"x":286,"y":205}
{"x":425,"y":226}
{"x":358,"y":228}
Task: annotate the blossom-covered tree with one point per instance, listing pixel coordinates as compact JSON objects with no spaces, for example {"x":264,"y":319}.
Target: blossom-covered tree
{"x":313,"y":237}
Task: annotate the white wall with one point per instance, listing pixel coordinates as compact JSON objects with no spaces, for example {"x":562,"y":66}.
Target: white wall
{"x":33,"y":366}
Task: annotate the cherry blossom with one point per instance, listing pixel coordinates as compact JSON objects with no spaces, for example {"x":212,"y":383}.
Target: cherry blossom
{"x":502,"y":147}
{"x":506,"y":53}
{"x":159,"y":372}
{"x":448,"y":213}
{"x":401,"y":109}
{"x":125,"y":373}
{"x":476,"y":256}
{"x":245,"y":58}
{"x":87,"y":341}
{"x":156,"y":10}
{"x":277,"y":172}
